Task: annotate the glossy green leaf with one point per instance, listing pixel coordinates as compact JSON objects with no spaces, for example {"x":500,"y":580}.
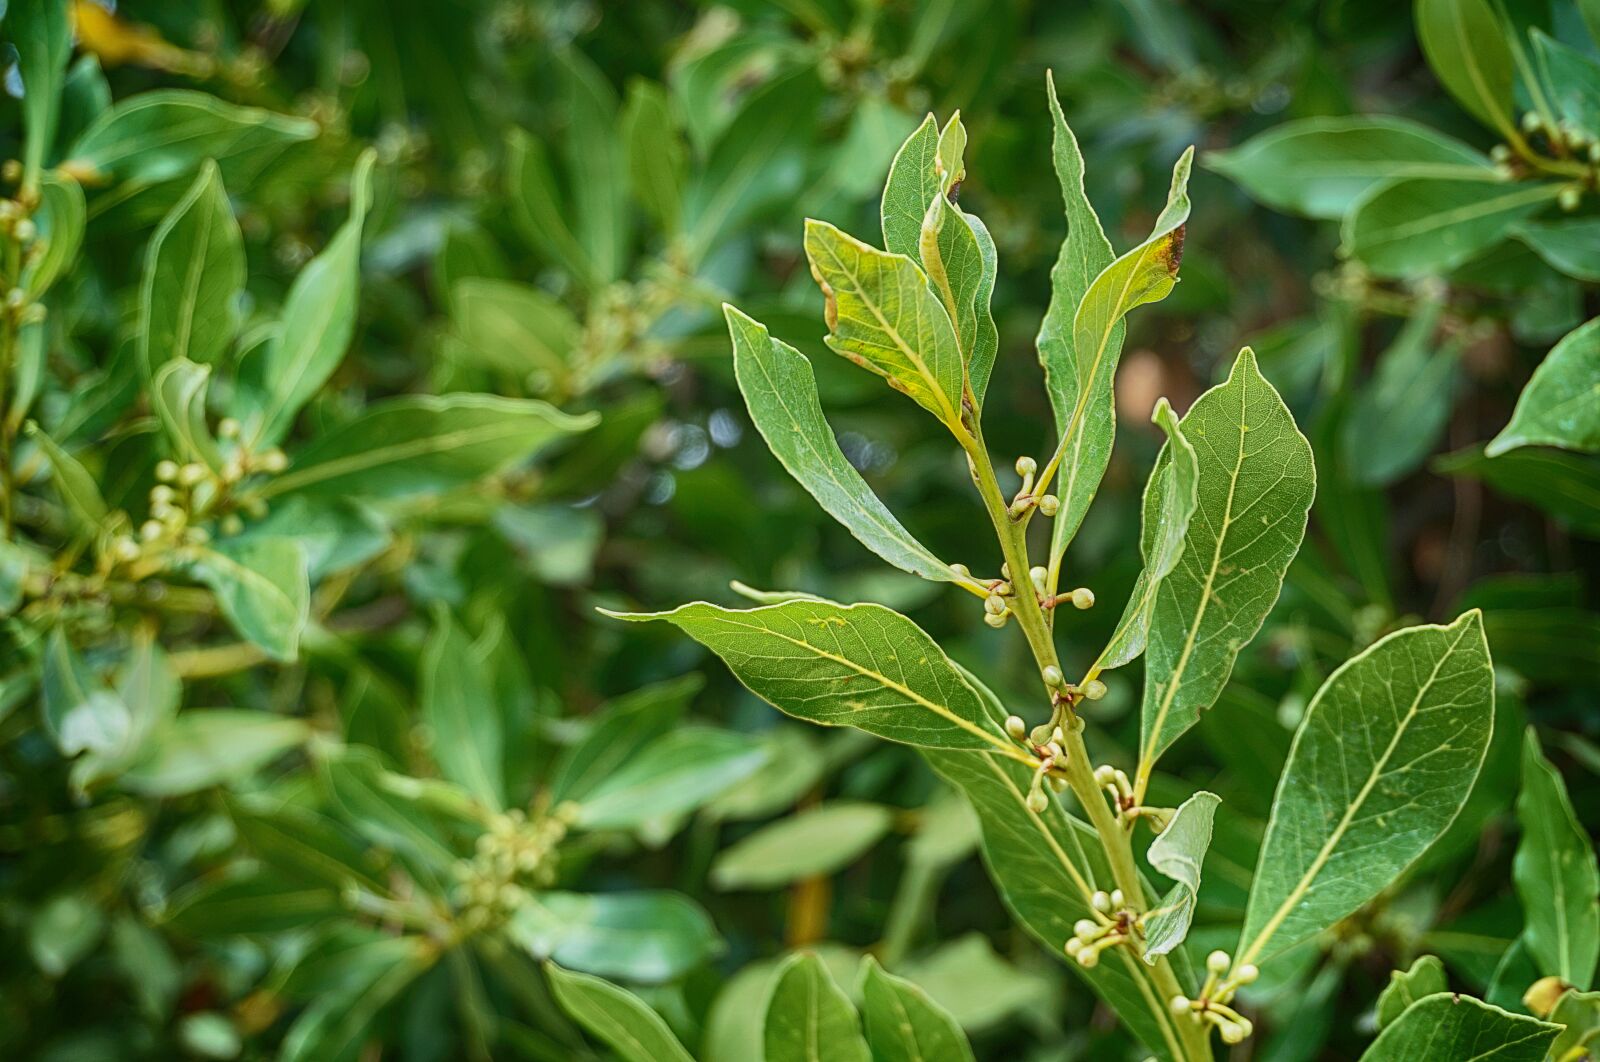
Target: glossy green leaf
{"x":1382,"y":762}
{"x":646,"y":937}
{"x":1465,"y":44}
{"x":1400,"y":414}
{"x":1080,"y":382}
{"x":178,"y":395}
{"x":674,"y":774}
{"x":904,"y":1024}
{"x":1321,"y":167}
{"x":882,"y":315}
{"x":912,"y":185}
{"x":319,"y":318}
{"x":620,"y":1019}
{"x":780,"y":391}
{"x":808,"y":1017}
{"x":816,"y":842}
{"x":656,"y":153}
{"x":1556,"y":874}
{"x":515,"y":327}
{"x":1561,"y":404}
{"x":299,"y":842}
{"x":1446,"y":1025}
{"x":203,"y":748}
{"x":424,"y":444}
{"x":1572,"y":80}
{"x":1570,"y":245}
{"x":248,"y":902}
{"x":194,"y":275}
{"x":1419,"y":226}
{"x":365,"y":981}
{"x":60,"y":219}
{"x":1425,"y":978}
{"x":595,"y":163}
{"x":1256,"y":482}
{"x":73,"y":482}
{"x":537,"y":207}
{"x":622,"y":727}
{"x":41,"y":32}
{"x":262,"y":587}
{"x":79,"y":709}
{"x":1178,"y":852}
{"x":1170,"y":498}
{"x":1565,"y":485}
{"x":1580,"y":1013}
{"x":459,"y":708}
{"x":864,"y":666}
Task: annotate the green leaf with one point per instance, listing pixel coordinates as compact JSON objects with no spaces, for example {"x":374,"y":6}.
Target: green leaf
{"x":1561,"y":404}
{"x":1446,"y":1025}
{"x":864,"y":666}
{"x":73,"y":482}
{"x":1425,"y":978}
{"x":515,"y":327}
{"x":882,"y":315}
{"x":780,"y":391}
{"x":1080,"y":381}
{"x":60,"y":218}
{"x":1570,"y":245}
{"x":912,"y":185}
{"x":363,"y":981}
{"x":623,"y":1021}
{"x":299,"y":842}
{"x":1557,"y":878}
{"x":200,"y":749}
{"x":1400,"y":414}
{"x":904,"y":1024}
{"x":816,"y":842}
{"x":537,"y":207}
{"x":145,"y":703}
{"x":263,"y":589}
{"x":1046,"y":867}
{"x":161,"y":135}
{"x":1573,"y":81}
{"x":1418,"y":226}
{"x":1383,"y":760}
{"x":809,"y":1019}
{"x":656,"y":154}
{"x":646,"y":937}
{"x":194,"y":274}
{"x":1321,"y":167}
{"x":1170,"y":498}
{"x":319,"y":318}
{"x":1255,"y":488}
{"x":41,"y":32}
{"x":80,"y":711}
{"x":178,"y":395}
{"x":1565,"y":485}
{"x":1580,"y":1013}
{"x":459,"y":708}
{"x":621,"y":728}
{"x":674,"y":774}
{"x":243,"y":902}
{"x":1178,"y":852}
{"x":424,"y":444}
{"x":1465,"y":44}
{"x":64,"y":931}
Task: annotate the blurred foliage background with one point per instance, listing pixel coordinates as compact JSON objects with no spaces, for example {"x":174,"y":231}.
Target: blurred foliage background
{"x":564,"y":194}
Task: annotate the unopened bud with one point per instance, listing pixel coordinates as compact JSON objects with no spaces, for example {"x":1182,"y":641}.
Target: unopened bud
{"x":1026,"y":466}
{"x":1104,"y":774}
{"x":1246,"y":974}
{"x":961,"y":571}
{"x":1083,"y":598}
{"x":1049,"y":504}
{"x":1116,"y":898}
{"x":1569,"y":198}
{"x":995,"y":621}
{"x":1052,"y":676}
{"x":1094,"y":689}
{"x":273,"y":460}
{"x":228,"y":428}
{"x":1217,"y":962}
{"x":191,"y":473}
{"x":994,"y":605}
{"x":1038,"y":802}
{"x":166,"y":471}
{"x":126,"y":549}
{"x":1074,"y":945}
{"x":151,"y":530}
{"x":1101,"y":902}
{"x":1231,"y":1032}
{"x":1015,"y":727}
{"x":1085,"y":928}
{"x":1179,"y":1004}
{"x":1531,"y":122}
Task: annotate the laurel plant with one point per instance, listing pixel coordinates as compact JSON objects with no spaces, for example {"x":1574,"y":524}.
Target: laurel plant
{"x":1384,"y":756}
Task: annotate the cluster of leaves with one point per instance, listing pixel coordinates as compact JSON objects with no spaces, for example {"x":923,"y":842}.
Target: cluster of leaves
{"x":353,"y":355}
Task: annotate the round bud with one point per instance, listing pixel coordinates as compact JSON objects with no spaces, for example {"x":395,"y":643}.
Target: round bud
{"x":1231,"y":1033}
{"x":1179,"y":1004}
{"x":1246,"y":1027}
{"x":1217,"y":962}
{"x":1049,"y":504}
{"x":1569,"y":198}
{"x":25,"y":231}
{"x":228,"y":428}
{"x":12,"y":170}
{"x":197,"y":536}
{"x":1037,"y":575}
{"x":1016,"y":727}
{"x":191,"y":473}
{"x":1052,"y":676}
{"x":994,"y":621}
{"x":151,"y":530}
{"x":961,"y":570}
{"x":1116,"y":898}
{"x":1101,"y":902}
{"x":274,"y":460}
{"x":1085,"y":928}
{"x":1088,"y":958}
{"x":1094,"y":689}
{"x":1083,"y":597}
{"x":161,"y":493}
{"x":231,"y":524}
{"x":126,"y":549}
{"x":1246,"y":974}
{"x":994,"y":605}
{"x":1038,"y":802}
{"x":1074,"y":945}
{"x":1005,"y":571}
{"x":1026,"y":466}
{"x":1500,"y":153}
{"x":161,"y":510}
{"x":166,"y":471}
{"x":1531,"y":122}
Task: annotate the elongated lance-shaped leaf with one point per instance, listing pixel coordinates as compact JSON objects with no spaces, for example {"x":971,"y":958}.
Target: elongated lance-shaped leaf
{"x":1465,"y":44}
{"x":41,"y":33}
{"x":808,"y":1017}
{"x":864,"y":666}
{"x":912,"y":184}
{"x":1178,"y":851}
{"x":194,"y":274}
{"x":73,"y":482}
{"x":1387,"y":752}
{"x":1047,"y":866}
{"x":262,"y":587}
{"x":458,"y":705}
{"x":1081,"y":383}
{"x":178,"y":395}
{"x":1425,"y":978}
{"x":1561,"y":404}
{"x":1556,"y":876}
{"x":883,"y":316}
{"x":903,"y":1022}
{"x":621,"y":1019}
{"x":1448,"y":1025}
{"x":1255,"y":488}
{"x":1170,"y":498}
{"x":780,"y":391}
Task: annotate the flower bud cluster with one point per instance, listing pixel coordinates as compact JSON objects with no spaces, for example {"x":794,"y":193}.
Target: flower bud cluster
{"x":514,"y":857}
{"x":1025,"y":498}
{"x":1112,"y":924}
{"x":1223,"y":981}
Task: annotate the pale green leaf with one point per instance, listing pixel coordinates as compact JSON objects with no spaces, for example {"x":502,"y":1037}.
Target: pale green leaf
{"x":60,"y":218}
{"x":73,"y":482}
{"x":1465,"y":44}
{"x":203,"y":748}
{"x":194,"y":276}
{"x":1398,"y":417}
{"x":1383,"y":760}
{"x":621,"y":728}
{"x":1320,"y":167}
{"x":623,"y":1021}
{"x":263,"y":589}
{"x":595,"y":163}
{"x":656,"y":154}
{"x":912,"y":185}
{"x":808,"y":1017}
{"x":515,"y":327}
{"x":425,"y":444}
{"x":1460,"y":1028}
{"x":1580,"y":1013}
{"x":1556,"y":874}
{"x":178,"y":395}
{"x":1425,"y":978}
{"x":845,"y":665}
{"x":1561,"y":404}
{"x":1572,"y":246}
{"x":904,"y":1024}
{"x":882,"y":315}
{"x":1178,"y":852}
{"x":537,"y":206}
{"x":1256,"y":482}
{"x":360,"y":982}
{"x":1170,"y":498}
{"x":460,"y":710}
{"x":780,"y":391}
{"x":644,"y":936}
{"x":816,"y":842}
{"x":41,"y":32}
{"x":676,"y":773}
{"x":1418,"y":226}
{"x":1573,"y":82}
